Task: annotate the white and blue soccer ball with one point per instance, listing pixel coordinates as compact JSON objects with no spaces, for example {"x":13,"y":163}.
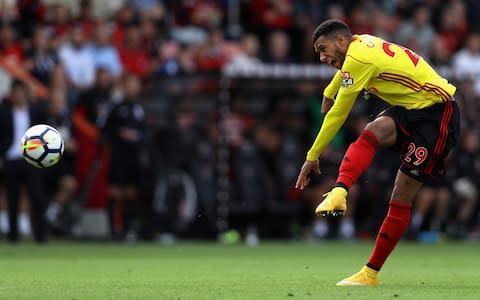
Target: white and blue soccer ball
{"x":42,"y":146}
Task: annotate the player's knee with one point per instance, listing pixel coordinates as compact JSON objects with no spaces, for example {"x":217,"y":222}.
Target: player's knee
{"x":384,"y":130}
{"x":405,"y":188}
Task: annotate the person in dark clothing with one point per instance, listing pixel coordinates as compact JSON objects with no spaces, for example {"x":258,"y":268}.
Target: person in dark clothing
{"x":61,"y":176}
{"x":465,"y":185}
{"x":124,"y":128}
{"x":16,"y":116}
{"x":88,"y":120}
{"x":41,"y":60}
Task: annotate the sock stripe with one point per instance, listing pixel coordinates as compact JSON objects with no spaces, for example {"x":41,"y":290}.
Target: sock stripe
{"x":370,"y":138}
{"x":401,"y":204}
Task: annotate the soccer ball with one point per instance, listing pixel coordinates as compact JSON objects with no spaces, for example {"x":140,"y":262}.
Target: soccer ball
{"x":42,"y":146}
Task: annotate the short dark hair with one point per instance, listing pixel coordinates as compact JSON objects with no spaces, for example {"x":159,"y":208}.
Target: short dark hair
{"x":331,"y":26}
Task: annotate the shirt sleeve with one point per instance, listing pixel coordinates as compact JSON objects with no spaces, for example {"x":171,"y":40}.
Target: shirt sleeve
{"x":354,"y":76}
{"x":332,"y":88}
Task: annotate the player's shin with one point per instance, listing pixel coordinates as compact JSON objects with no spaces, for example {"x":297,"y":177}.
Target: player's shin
{"x":357,"y":159}
{"x":392,"y":230}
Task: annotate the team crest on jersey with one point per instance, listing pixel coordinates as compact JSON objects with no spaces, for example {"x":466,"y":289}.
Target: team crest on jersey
{"x":347,"y":80}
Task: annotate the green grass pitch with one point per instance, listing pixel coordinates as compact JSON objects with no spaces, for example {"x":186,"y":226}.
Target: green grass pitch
{"x":68,"y":270}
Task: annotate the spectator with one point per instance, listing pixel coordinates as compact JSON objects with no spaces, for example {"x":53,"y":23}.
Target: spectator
{"x":466,"y":62}
{"x":469,"y":104}
{"x":10,"y":48}
{"x":169,"y":60}
{"x":125,"y":17}
{"x":134,"y":58}
{"x":186,"y":60}
{"x":359,"y":20}
{"x":16,"y":116}
{"x":438,"y":55}
{"x":41,"y":59}
{"x":88,"y":120}
{"x":417,"y":31}
{"x":4,"y":227}
{"x":30,"y":14}
{"x":150,"y":35}
{"x":61,"y":22}
{"x":149,"y":8}
{"x":273,"y":15}
{"x":78,"y":61}
{"x":58,"y":79}
{"x":278,"y":48}
{"x":247,"y":58}
{"x":206,"y":14}
{"x":432,"y":200}
{"x":125,"y":129}
{"x":86,"y":19}
{"x":382,"y":24}
{"x":465,"y":185}
{"x":309,"y":12}
{"x":453,"y":26}
{"x":103,"y":53}
{"x":212,"y":55}
{"x":61,"y":176}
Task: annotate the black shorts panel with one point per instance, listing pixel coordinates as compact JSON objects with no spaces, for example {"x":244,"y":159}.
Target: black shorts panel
{"x":425,"y":137}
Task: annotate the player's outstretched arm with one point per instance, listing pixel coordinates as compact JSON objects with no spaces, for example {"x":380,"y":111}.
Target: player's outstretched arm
{"x":332,"y":123}
{"x":308,"y":166}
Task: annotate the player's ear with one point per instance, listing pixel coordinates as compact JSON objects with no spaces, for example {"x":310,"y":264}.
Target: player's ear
{"x":340,"y":38}
{"x":342,"y":41}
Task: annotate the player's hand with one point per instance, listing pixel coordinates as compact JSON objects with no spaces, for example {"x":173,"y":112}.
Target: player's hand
{"x":308,"y":166}
{"x":327,"y":103}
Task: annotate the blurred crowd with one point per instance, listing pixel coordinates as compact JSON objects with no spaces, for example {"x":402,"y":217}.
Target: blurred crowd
{"x":150,"y":150}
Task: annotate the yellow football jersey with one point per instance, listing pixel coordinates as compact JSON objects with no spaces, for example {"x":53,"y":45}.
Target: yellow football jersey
{"x":394,"y":73}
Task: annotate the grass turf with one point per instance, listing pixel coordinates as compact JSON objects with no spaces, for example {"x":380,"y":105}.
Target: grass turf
{"x":62,"y":270}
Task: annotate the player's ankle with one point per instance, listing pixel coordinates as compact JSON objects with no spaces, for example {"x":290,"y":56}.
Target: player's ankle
{"x":372,"y":269}
{"x":342,"y":185}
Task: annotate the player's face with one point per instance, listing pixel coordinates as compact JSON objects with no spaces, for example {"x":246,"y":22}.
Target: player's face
{"x":331,"y":50}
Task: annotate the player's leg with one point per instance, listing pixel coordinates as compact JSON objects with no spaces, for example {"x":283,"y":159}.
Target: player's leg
{"x":441,"y":208}
{"x":347,"y":225}
{"x":318,"y":186}
{"x":12,"y":185}
{"x":117,"y":202}
{"x":4,"y":227}
{"x":118,"y":179}
{"x":378,"y":133}
{"x":133,"y":205}
{"x":37,"y":193}
{"x":467,"y":198}
{"x":64,"y":193}
{"x":394,"y":226}
{"x":433,"y":141}
{"x":24,"y":213}
{"x":423,"y":203}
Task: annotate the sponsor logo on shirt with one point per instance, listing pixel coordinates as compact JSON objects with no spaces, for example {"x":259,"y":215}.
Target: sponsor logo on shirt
{"x":347,"y":81}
